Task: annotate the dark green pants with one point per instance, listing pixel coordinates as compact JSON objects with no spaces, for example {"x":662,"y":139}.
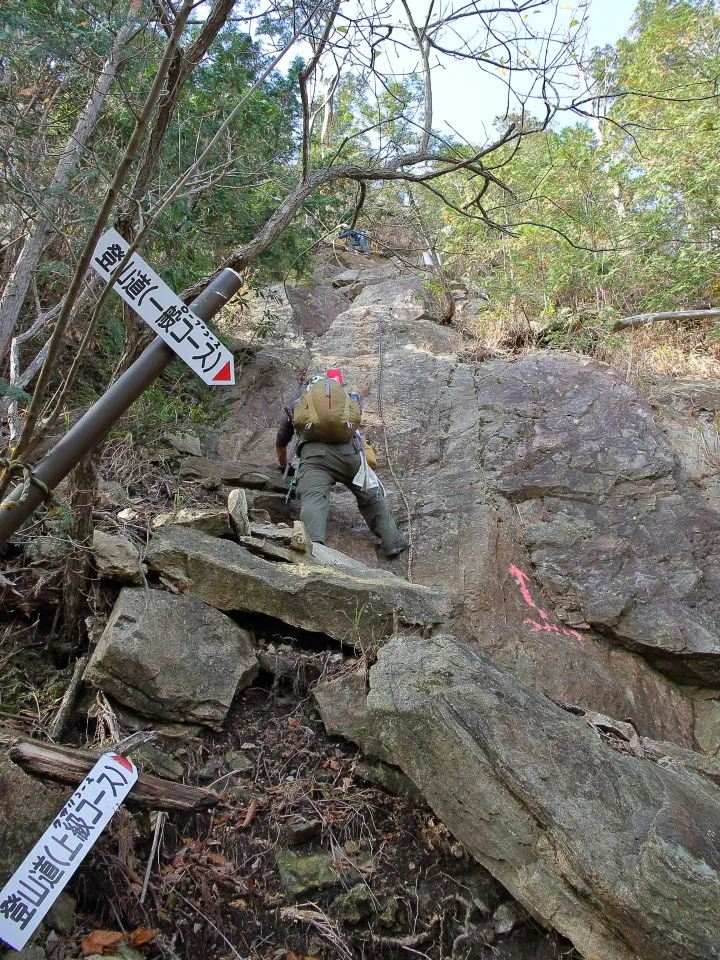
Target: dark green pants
{"x":322,"y":465}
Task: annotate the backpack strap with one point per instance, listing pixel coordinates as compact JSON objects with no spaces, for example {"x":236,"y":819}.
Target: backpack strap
{"x":312,"y":410}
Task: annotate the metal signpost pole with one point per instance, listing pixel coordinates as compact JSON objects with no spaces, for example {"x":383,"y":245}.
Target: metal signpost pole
{"x":96,"y":423}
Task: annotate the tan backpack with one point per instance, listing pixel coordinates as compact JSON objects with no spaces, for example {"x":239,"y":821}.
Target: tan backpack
{"x":326,"y":412}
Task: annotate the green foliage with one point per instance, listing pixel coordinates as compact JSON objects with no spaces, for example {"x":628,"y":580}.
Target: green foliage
{"x":614,"y":219}
{"x":13,"y":393}
{"x":179,"y":401}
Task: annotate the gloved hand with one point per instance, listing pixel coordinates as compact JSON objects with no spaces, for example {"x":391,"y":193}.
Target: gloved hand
{"x":290,"y":470}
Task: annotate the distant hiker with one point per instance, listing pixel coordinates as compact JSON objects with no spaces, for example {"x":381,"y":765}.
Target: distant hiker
{"x":326,"y":419}
{"x":356,"y":239}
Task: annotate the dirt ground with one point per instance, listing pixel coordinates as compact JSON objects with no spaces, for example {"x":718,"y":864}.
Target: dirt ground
{"x":303,"y":857}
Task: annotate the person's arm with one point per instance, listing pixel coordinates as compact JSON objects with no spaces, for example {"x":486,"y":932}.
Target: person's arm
{"x":282,"y":440}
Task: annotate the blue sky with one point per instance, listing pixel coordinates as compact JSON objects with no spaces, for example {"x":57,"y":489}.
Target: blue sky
{"x":468,"y":102}
{"x":609,"y":20}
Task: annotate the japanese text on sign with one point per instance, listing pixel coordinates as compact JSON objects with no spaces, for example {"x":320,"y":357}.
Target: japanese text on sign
{"x":163,"y":311}
{"x":39,"y":879}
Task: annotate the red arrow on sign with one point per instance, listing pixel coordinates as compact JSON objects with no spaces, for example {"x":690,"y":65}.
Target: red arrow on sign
{"x":224,"y":375}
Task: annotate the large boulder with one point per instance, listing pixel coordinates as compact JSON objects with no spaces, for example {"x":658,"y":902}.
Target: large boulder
{"x":172,"y":657}
{"x":216,"y":523}
{"x":353,"y":606}
{"x":615,"y":852}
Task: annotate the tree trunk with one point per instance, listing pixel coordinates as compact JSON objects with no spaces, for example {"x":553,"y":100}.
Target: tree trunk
{"x":82,"y":490}
{"x":16,"y":289}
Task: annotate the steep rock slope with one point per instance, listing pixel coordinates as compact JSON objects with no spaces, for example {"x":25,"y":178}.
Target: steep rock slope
{"x":538,"y":493}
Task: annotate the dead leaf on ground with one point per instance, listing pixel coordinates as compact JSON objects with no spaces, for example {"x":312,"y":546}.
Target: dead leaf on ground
{"x":99,"y":940}
{"x":141,"y":935}
{"x":218,"y":858}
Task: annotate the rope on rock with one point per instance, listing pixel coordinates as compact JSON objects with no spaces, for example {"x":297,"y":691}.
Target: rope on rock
{"x":18,"y":468}
{"x":408,"y":513}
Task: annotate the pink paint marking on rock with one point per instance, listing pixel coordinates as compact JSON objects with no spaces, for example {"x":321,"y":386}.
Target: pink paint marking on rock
{"x":522,"y":581}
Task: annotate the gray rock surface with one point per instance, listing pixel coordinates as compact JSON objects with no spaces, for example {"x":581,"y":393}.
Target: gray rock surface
{"x":468,"y":446}
{"x":61,"y":915}
{"x":388,"y":291}
{"x":116,"y":558}
{"x":352,"y":607}
{"x":346,"y":278}
{"x":615,"y":852}
{"x":31,"y":952}
{"x":27,"y":808}
{"x":686,"y":410}
{"x":172,"y":657}
{"x":216,"y":523}
{"x":615,"y":536}
{"x":187,"y":443}
{"x":342,"y":705}
{"x":247,"y":474}
{"x":707,"y":721}
{"x":238,"y":512}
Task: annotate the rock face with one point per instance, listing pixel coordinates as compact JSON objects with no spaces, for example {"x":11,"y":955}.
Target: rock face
{"x":353,"y":607}
{"x":614,"y":851}
{"x":615,"y":536}
{"x":569,"y":519}
{"x":172,"y":657}
{"x":550,"y":465}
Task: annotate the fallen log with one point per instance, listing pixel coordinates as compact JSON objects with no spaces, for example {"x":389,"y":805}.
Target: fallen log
{"x":71,"y":766}
{"x":630,"y":323}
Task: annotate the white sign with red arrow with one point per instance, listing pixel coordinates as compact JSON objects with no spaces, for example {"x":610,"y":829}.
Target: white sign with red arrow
{"x":38,"y":881}
{"x":163,"y":311}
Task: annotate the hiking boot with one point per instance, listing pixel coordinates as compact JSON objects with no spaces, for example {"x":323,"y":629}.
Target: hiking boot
{"x":395,"y":551}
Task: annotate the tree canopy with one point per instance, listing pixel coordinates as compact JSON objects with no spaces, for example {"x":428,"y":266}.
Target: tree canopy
{"x":236,"y":135}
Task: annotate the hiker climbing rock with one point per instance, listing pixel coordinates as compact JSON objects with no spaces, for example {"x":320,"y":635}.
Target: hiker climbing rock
{"x":326,"y":419}
{"x":356,"y":239}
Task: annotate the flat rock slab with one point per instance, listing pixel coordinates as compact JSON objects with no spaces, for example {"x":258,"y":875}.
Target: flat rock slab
{"x":172,"y":657}
{"x":617,"y":853}
{"x":242,"y":474}
{"x":364,"y":606}
{"x":216,"y":523}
